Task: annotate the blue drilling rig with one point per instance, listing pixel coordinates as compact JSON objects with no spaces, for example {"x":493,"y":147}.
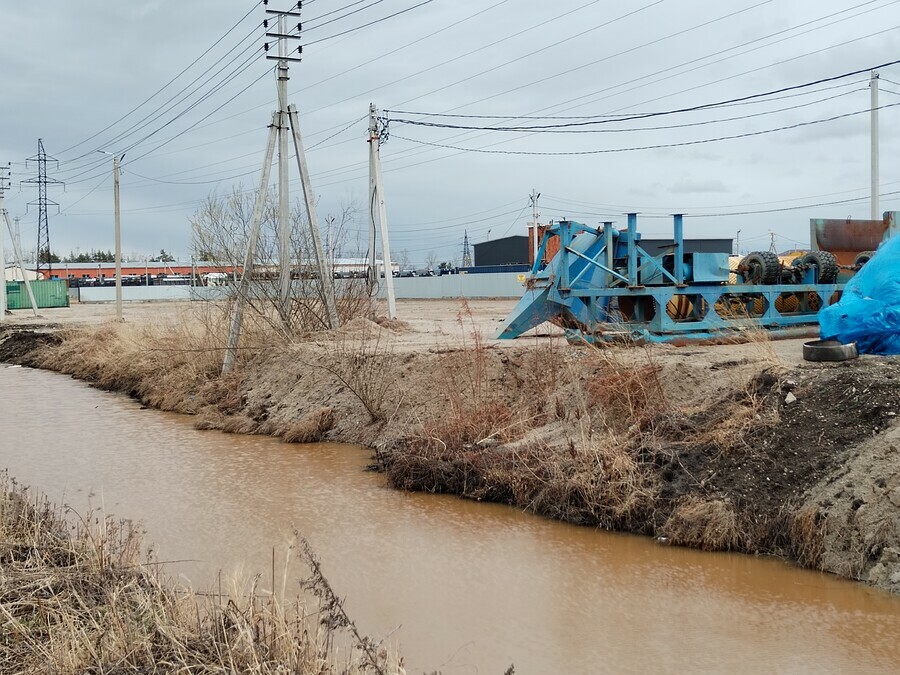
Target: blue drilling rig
{"x":602,"y":285}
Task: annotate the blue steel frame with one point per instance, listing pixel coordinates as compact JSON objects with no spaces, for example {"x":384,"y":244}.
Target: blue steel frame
{"x":585,"y":289}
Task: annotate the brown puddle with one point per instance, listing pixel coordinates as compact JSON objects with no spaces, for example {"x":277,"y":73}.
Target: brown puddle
{"x":474,"y":587}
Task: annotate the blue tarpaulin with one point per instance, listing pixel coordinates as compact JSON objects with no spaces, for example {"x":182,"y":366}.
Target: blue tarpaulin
{"x":868,"y":312}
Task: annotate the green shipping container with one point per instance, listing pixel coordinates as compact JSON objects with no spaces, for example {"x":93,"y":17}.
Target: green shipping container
{"x":49,"y":293}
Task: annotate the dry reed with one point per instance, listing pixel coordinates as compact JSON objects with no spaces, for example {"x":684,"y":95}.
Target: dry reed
{"x":708,"y":524}
{"x":77,"y":596}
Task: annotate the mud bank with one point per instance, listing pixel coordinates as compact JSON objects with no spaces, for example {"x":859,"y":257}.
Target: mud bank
{"x":720,"y":448}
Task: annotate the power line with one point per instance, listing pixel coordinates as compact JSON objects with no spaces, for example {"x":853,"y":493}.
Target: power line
{"x":641,"y":116}
{"x":371,"y":23}
{"x":167,"y":84}
{"x":657,"y":128}
{"x":666,"y":70}
{"x":648,"y":147}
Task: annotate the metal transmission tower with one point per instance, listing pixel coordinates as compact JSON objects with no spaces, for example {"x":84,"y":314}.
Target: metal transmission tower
{"x":4,"y":216}
{"x":284,"y":122}
{"x":43,"y":202}
{"x":467,"y":252}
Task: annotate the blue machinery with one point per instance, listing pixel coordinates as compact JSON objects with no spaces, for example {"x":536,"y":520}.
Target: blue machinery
{"x":602,"y":285}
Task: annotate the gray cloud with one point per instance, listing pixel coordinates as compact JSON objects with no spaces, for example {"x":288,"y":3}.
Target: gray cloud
{"x":71,"y":70}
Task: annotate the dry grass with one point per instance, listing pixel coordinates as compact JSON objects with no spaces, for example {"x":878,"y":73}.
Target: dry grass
{"x":311,"y":429}
{"x":708,"y":524}
{"x":77,"y":597}
{"x":808,"y":529}
{"x":560,"y":442}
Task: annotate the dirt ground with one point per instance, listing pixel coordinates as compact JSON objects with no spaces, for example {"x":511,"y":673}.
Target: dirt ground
{"x":740,"y":446}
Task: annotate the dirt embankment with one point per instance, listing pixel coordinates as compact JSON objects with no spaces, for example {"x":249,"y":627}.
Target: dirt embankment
{"x":721,"y":448}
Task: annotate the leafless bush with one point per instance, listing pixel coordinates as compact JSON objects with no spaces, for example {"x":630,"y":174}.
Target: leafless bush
{"x":361,"y":356}
{"x":221,"y":232}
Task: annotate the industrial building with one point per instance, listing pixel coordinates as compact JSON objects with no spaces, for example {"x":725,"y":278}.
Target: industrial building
{"x":505,"y":251}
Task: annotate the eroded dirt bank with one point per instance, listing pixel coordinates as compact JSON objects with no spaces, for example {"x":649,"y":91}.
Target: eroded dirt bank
{"x":721,"y":448}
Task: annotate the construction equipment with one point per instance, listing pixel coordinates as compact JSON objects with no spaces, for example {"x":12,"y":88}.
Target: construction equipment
{"x":603,"y":285}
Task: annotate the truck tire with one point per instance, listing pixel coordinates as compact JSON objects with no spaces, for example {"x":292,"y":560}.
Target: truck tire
{"x":826,"y":264}
{"x":862,"y":258}
{"x":761,"y":267}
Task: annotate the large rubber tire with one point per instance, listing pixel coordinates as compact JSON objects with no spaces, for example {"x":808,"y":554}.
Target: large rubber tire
{"x":761,"y":267}
{"x":863,"y":258}
{"x":827,"y":265}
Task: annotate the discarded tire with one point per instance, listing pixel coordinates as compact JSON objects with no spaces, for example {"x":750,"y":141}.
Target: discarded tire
{"x":863,"y":258}
{"x":829,"y":350}
{"x":761,"y":267}
{"x":826,"y":264}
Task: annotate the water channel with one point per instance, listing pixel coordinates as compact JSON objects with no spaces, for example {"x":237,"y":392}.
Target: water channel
{"x":461,"y":587}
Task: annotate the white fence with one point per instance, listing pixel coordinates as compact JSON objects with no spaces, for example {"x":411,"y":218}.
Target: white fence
{"x":497,"y":285}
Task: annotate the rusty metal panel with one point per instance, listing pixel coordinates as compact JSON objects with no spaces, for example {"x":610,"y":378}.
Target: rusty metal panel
{"x":831,"y":234}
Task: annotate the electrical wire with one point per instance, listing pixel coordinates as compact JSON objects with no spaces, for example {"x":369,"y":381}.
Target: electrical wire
{"x":169,"y":83}
{"x":371,"y":23}
{"x":650,"y":147}
{"x":667,"y":70}
{"x":344,"y":16}
{"x":674,"y":126}
{"x":641,"y":116}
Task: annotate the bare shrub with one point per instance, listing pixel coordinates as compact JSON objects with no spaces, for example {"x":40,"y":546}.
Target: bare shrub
{"x":221,"y":233}
{"x":361,"y":356}
{"x":311,"y":429}
{"x":708,"y":524}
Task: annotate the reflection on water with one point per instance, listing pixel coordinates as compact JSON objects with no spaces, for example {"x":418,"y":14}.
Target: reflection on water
{"x":473,"y":587}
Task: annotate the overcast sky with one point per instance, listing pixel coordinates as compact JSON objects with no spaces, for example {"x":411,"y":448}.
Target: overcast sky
{"x":71,"y":70}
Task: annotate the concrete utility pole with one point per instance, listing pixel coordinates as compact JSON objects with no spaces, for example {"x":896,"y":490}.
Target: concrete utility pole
{"x":284,"y":122}
{"x":534,"y":196}
{"x":376,"y":202}
{"x":118,"y":230}
{"x":873,"y":86}
{"x":284,"y":225}
{"x":4,"y":186}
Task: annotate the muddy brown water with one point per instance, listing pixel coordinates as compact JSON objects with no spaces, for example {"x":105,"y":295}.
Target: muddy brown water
{"x":461,"y":587}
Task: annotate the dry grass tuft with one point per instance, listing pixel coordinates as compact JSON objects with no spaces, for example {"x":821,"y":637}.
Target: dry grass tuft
{"x":239,"y":424}
{"x":628,"y":394}
{"x":711,"y":525}
{"x":77,"y":598}
{"x":311,"y":429}
{"x":808,"y":529}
